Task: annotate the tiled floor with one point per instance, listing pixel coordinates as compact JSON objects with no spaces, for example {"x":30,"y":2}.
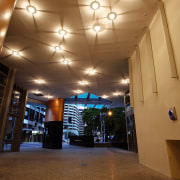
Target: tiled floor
{"x":73,"y":163}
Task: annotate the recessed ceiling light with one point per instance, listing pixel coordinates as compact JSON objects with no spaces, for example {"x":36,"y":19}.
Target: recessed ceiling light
{"x":39,"y":81}
{"x":31,"y":9}
{"x":83,"y":83}
{"x":95,"y":5}
{"x":104,"y":96}
{"x":118,"y":94}
{"x":58,"y":48}
{"x":36,"y":92}
{"x":48,"y":97}
{"x":78,"y":91}
{"x":125,"y":81}
{"x":91,"y":71}
{"x":16,"y":92}
{"x":96,"y":28}
{"x":62,"y":32}
{"x":65,"y":61}
{"x":112,"y":16}
{"x":15,"y":53}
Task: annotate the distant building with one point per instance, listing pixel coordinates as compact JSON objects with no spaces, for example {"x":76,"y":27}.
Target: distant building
{"x":33,"y":125}
{"x":81,"y":123}
{"x":72,"y":123}
{"x":34,"y":118}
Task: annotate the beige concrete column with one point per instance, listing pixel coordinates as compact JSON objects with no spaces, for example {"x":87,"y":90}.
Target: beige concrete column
{"x":6,"y":101}
{"x":19,"y":123}
{"x":6,"y":10}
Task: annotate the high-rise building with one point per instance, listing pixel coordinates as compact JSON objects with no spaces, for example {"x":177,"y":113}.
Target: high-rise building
{"x":72,"y":121}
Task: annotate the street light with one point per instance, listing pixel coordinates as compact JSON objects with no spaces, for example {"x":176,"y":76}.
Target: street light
{"x":110,"y":113}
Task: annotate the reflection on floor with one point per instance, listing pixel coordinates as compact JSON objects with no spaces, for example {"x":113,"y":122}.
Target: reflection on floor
{"x":73,"y":163}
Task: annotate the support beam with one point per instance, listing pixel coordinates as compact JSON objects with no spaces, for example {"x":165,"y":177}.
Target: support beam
{"x":168,"y":40}
{"x":88,"y":96}
{"x":15,"y":147}
{"x":140,"y":83}
{"x":5,"y":102}
{"x":85,"y":101}
{"x":151,"y":61}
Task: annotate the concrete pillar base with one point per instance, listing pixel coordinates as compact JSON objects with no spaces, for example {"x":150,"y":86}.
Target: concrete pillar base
{"x":53,"y":135}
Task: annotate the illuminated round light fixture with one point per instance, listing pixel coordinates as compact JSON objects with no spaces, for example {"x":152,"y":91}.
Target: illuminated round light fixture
{"x":15,"y":53}
{"x":91,"y":71}
{"x":58,"y":48}
{"x":48,"y":97}
{"x":104,"y":96}
{"x":125,"y":81}
{"x":118,"y":94}
{"x":62,"y":32}
{"x":66,"y":61}
{"x":112,"y":16}
{"x":83,"y":83}
{"x":36,"y":92}
{"x":39,"y":81}
{"x":95,"y":5}
{"x":78,"y":91}
{"x":31,"y":9}
{"x":97,"y":28}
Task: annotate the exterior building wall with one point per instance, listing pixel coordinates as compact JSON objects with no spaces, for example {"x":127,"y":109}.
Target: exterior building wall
{"x":153,"y":125}
{"x":81,"y":123}
{"x":71,"y":111}
{"x":81,"y":126}
{"x":33,"y":125}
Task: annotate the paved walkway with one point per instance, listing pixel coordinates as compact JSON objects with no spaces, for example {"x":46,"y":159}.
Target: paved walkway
{"x":73,"y":163}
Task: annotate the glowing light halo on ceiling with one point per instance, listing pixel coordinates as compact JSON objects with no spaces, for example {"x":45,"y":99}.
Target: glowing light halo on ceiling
{"x":95,"y":5}
{"x":31,"y":9}
{"x":112,"y":16}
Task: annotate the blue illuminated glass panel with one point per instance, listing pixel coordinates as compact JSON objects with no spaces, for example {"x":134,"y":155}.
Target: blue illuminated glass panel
{"x":99,"y":106}
{"x":72,"y":97}
{"x":90,"y":105}
{"x":83,"y":95}
{"x":93,"y":96}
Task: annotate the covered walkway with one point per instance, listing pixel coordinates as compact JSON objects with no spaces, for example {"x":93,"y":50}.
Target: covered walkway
{"x":73,"y":163}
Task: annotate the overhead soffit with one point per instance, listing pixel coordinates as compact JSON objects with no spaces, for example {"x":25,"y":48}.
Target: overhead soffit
{"x":106,"y":51}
